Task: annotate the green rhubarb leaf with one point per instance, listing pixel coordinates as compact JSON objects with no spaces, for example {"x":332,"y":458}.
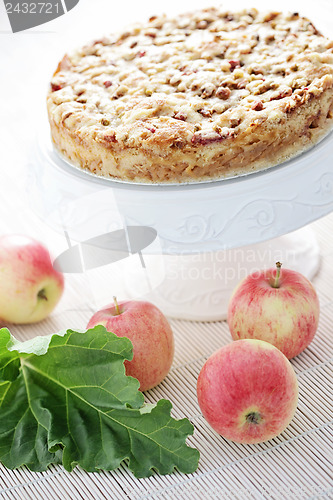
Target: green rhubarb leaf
{"x":67,"y":396}
{"x":22,"y":439}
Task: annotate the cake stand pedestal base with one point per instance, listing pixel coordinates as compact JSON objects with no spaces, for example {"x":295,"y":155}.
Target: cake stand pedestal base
{"x":198,"y":287}
{"x":184,"y":271}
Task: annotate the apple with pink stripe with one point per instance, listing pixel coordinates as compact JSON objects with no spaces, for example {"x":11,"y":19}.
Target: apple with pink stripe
{"x":279,"y":306}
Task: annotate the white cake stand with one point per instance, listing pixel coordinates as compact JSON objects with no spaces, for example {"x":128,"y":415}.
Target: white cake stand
{"x":209,"y":235}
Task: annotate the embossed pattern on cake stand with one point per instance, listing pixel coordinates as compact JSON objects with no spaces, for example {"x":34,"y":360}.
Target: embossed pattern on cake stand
{"x":190,"y":220}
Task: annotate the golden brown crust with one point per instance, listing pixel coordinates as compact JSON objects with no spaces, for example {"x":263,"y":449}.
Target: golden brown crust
{"x":159,"y":104}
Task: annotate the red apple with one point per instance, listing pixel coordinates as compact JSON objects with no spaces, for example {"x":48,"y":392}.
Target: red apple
{"x":247,"y":391}
{"x":29,"y":286}
{"x":150,"y":333}
{"x":279,"y":307}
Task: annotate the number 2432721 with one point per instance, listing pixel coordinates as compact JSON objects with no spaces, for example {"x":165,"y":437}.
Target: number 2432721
{"x":33,"y":8}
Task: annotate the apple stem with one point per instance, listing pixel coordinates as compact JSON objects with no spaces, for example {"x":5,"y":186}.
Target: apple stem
{"x":116,"y":305}
{"x":41,"y":294}
{"x":277,"y":276}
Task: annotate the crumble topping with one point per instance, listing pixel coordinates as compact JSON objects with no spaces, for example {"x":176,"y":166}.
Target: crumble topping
{"x":201,"y":78}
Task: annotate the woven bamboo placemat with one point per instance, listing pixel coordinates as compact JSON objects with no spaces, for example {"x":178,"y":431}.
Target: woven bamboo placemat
{"x":298,"y":464}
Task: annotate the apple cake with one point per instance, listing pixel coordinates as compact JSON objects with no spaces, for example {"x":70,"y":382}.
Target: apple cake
{"x":205,"y":95}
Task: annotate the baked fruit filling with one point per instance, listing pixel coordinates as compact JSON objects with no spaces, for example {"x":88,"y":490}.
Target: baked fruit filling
{"x":205,"y":95}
